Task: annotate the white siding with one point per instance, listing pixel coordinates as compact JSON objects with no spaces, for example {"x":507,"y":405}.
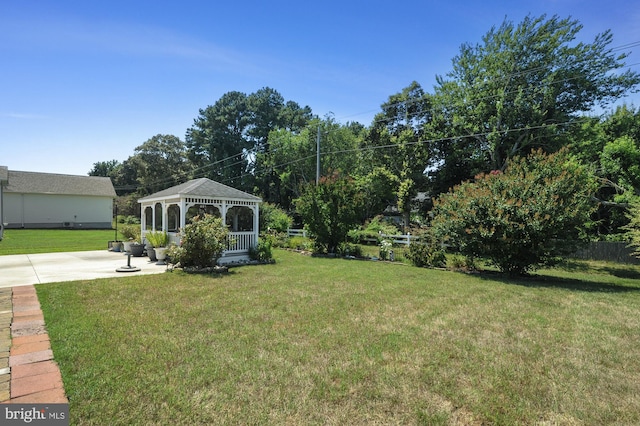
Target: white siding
{"x":49,"y":210}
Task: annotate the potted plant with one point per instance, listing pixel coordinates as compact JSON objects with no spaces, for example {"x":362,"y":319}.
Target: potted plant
{"x":159,"y":241}
{"x":131,"y":234}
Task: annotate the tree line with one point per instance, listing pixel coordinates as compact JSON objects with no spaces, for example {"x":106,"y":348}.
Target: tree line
{"x":524,"y":87}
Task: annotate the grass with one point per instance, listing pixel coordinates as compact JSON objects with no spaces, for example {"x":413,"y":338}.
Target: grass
{"x":30,"y":241}
{"x":330,"y":341}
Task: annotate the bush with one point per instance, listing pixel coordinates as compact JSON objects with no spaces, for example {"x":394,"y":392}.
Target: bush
{"x":462,"y":262}
{"x":529,"y":216}
{"x":129,"y":219}
{"x":385,"y":247}
{"x":263,"y":252}
{"x":203,"y":241}
{"x":373,"y":228}
{"x":347,"y":249}
{"x":329,"y":210}
{"x":300,"y":243}
{"x":426,"y":252}
{"x":130,"y":232}
{"x":273,"y":218}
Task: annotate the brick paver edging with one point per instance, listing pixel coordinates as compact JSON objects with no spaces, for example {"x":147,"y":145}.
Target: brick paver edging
{"x":34,"y":377}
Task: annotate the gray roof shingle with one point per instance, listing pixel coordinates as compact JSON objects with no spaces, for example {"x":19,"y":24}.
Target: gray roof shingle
{"x":50,"y":183}
{"x":203,"y":187}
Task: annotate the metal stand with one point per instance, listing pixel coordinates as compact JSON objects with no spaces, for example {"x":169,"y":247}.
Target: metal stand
{"x":128,"y":267}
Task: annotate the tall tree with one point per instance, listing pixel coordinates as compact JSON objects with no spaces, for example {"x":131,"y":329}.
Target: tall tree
{"x":611,"y":146}
{"x":518,"y":90}
{"x":161,"y":162}
{"x":226,"y":139}
{"x":291,"y":160}
{"x":396,"y":142}
{"x":104,"y":168}
{"x":216,"y":142}
{"x":330,"y":209}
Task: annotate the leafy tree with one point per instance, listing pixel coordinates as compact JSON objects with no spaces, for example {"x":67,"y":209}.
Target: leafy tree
{"x":519,"y":90}
{"x":274,"y":218}
{"x":104,"y":168}
{"x":527,"y":217}
{"x":226,"y":139}
{"x":161,"y":162}
{"x":217,"y":144}
{"x":330,"y":209}
{"x":399,"y":128}
{"x":378,"y":189}
{"x":291,"y":160}
{"x":632,"y":229}
{"x":125,"y":176}
{"x":611,"y":145}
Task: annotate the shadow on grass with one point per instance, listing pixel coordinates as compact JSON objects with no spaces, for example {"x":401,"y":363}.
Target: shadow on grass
{"x":572,"y":284}
{"x":618,"y":270}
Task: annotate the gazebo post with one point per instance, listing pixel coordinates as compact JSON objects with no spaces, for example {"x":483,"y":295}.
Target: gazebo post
{"x":165,"y":215}
{"x":256,"y":223}
{"x":183,"y":213}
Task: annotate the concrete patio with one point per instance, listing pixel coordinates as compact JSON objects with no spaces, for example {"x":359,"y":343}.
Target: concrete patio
{"x":29,"y":269}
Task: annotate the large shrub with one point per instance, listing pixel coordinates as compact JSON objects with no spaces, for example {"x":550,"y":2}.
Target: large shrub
{"x":273,"y":218}
{"x":330,"y":210}
{"x":374,"y":228}
{"x":202,"y":242}
{"x":427,"y":252}
{"x":529,"y":216}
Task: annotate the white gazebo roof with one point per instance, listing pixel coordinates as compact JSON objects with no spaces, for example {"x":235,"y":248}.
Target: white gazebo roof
{"x":202,"y":187}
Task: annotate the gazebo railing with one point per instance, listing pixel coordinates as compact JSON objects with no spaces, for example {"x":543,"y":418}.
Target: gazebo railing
{"x":240,"y":242}
{"x":237,"y":242}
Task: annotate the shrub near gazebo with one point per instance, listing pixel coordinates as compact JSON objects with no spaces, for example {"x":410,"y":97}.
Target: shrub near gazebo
{"x":202,"y":243}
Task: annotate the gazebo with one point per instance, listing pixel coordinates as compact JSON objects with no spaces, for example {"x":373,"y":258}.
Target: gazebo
{"x":171,"y":209}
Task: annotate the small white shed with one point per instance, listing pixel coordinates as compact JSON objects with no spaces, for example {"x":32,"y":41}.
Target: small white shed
{"x":171,"y":209}
{"x":48,"y":200}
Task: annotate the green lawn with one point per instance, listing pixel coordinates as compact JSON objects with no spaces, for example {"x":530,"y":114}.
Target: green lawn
{"x":30,"y":241}
{"x":331,"y":341}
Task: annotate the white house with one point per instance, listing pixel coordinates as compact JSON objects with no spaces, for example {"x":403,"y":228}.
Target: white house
{"x":171,"y":209}
{"x":47,"y":200}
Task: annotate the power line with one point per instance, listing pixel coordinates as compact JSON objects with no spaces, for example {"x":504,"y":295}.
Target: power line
{"x":406,"y":103}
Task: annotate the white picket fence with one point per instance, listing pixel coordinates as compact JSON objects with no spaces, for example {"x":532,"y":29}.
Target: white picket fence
{"x":296,"y":232}
{"x":396,"y":239}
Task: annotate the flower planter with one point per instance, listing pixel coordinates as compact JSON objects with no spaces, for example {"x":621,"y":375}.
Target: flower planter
{"x":161,"y":253}
{"x":151,"y":252}
{"x":137,"y":250}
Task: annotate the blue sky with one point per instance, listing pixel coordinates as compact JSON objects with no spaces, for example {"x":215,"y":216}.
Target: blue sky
{"x":88,"y":81}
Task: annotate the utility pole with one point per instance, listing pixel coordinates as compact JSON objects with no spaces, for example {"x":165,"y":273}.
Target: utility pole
{"x":318,"y":157}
